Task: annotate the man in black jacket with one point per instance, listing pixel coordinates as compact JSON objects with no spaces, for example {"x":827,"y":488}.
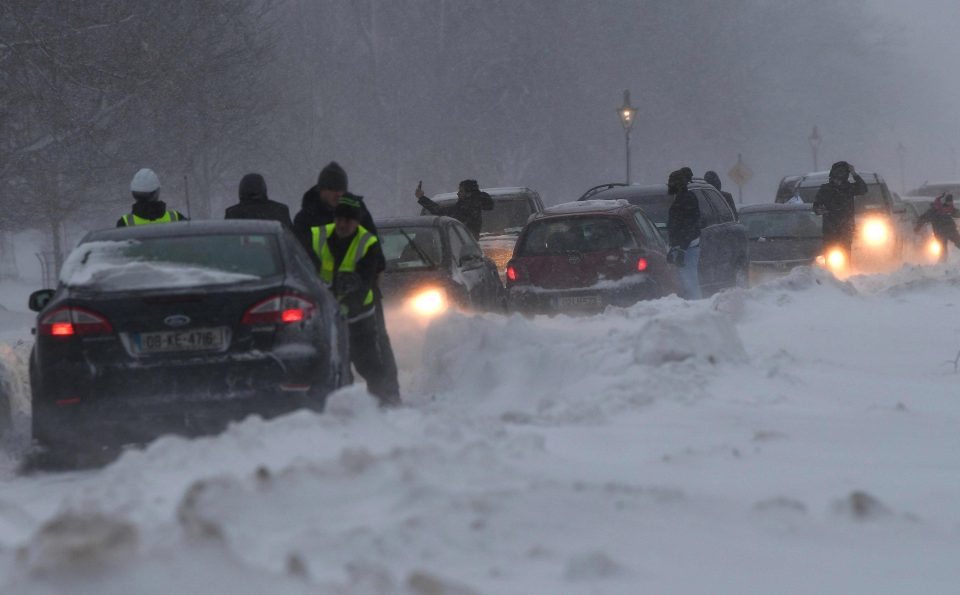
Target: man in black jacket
{"x":713,"y":179}
{"x":317,"y":210}
{"x":940,"y":216}
{"x":683,"y":231}
{"x":147,"y":207}
{"x":319,"y":202}
{"x":471,"y":201}
{"x":255,"y":204}
{"x":835,"y":201}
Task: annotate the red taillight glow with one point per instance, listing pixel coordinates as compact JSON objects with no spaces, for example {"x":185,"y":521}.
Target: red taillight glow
{"x":70,"y":401}
{"x":642,"y":264}
{"x":61,"y":329}
{"x":511,"y":273}
{"x":68,"y":322}
{"x":294,"y":315}
{"x":286,"y":308}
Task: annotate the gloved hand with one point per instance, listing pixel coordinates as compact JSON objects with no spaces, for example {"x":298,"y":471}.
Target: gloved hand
{"x":676,"y":256}
{"x":347,"y":283}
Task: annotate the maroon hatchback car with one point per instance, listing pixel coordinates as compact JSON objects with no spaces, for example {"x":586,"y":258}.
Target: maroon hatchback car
{"x":581,"y":257}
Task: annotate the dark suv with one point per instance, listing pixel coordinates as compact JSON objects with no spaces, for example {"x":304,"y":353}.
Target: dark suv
{"x":584,"y":256}
{"x":883,"y":223}
{"x":724,"y":260}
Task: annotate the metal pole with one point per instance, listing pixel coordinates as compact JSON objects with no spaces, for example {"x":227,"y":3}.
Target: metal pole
{"x":815,"y":163}
{"x":628,"y":154}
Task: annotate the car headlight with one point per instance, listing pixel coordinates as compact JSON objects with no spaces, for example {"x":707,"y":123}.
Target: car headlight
{"x":876,"y":232}
{"x":934,"y":248}
{"x":834,"y":260}
{"x":429,"y":302}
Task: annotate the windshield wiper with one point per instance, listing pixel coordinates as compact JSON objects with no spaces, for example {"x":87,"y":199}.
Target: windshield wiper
{"x":423,"y":256}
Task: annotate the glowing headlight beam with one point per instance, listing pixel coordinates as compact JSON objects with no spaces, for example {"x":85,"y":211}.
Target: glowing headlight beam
{"x":934,"y":248}
{"x":836,"y":259}
{"x":876,"y":232}
{"x":429,"y":302}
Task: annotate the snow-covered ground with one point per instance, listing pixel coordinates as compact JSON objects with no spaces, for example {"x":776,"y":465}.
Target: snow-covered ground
{"x":797,"y":437}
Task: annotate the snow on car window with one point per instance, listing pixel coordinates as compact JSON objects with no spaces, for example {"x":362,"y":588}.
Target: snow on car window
{"x":576,"y":234}
{"x":174,"y":261}
{"x":410,"y":247}
{"x":782,"y":224}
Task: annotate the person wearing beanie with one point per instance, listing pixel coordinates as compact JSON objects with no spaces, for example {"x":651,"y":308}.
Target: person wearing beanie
{"x":683,"y":232}
{"x":713,"y":179}
{"x":940,"y":216}
{"x":835,"y":201}
{"x":471,"y":202}
{"x":255,"y":204}
{"x":147,"y":206}
{"x":349,"y":254}
{"x":318,"y":204}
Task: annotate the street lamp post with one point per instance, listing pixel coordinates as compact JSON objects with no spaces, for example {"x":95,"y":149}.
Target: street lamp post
{"x":815,"y":140}
{"x":902,"y":153}
{"x":627,"y":114}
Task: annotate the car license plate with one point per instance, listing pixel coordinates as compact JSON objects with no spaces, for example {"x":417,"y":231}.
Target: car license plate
{"x":578,"y":301}
{"x":200,"y":339}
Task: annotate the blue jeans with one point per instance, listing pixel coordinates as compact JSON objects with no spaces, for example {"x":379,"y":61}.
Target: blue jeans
{"x":690,"y":274}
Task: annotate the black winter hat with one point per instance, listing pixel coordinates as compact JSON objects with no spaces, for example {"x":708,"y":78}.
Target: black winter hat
{"x":840,"y":169}
{"x":333,"y":177}
{"x":252,"y":185}
{"x":348,"y":208}
{"x":713,"y":179}
{"x":687,"y":173}
{"x":677,"y":182}
{"x":470,"y":186}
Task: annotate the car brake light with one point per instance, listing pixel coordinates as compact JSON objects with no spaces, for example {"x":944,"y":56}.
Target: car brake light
{"x":512,"y":273}
{"x":286,"y":308}
{"x":642,"y":264}
{"x":67,"y":322}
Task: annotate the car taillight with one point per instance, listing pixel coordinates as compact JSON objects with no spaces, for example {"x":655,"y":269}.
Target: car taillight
{"x":286,"y":308}
{"x":67,"y":322}
{"x":642,"y":264}
{"x":512,"y":273}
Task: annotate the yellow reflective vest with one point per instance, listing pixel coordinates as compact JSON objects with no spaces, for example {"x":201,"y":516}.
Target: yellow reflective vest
{"x":359,"y":247}
{"x":168,"y":216}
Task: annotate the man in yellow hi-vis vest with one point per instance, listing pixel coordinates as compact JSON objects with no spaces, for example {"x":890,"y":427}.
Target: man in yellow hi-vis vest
{"x":148,"y":208}
{"x":349,"y":255}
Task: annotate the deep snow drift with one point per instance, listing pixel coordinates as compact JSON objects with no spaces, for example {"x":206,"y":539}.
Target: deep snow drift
{"x":800,"y":436}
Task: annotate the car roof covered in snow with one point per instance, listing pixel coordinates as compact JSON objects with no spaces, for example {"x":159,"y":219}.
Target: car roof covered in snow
{"x":415,"y":221}
{"x":819,"y":178}
{"x":186,"y":228}
{"x":506,"y":193}
{"x":774,"y":207}
{"x":586,"y":206}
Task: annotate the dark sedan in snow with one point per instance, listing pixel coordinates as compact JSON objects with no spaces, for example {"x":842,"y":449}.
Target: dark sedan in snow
{"x":180,"y":328}
{"x":782,"y":237}
{"x":434,"y":263}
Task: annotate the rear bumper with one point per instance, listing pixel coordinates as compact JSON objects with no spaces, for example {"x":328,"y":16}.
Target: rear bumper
{"x":589,"y":300}
{"x":76,"y":403}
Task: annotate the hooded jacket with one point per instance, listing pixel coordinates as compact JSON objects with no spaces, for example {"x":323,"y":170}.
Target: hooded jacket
{"x":255,"y":204}
{"x":836,"y":201}
{"x":683,"y":218}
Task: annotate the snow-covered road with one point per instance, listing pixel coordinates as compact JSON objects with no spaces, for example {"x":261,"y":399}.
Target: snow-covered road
{"x":797,"y":437}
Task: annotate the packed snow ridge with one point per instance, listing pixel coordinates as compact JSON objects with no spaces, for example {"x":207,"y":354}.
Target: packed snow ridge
{"x":799,"y":436}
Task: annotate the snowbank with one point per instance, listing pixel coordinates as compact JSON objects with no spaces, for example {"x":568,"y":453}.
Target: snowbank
{"x":799,"y":436}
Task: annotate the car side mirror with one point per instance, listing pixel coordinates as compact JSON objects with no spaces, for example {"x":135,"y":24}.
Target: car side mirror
{"x":40,"y":299}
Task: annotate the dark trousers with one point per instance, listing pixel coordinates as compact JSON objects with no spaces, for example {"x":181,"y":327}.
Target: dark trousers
{"x":372,"y":357}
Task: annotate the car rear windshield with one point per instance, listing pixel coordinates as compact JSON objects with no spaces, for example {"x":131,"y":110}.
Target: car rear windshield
{"x":873,"y":200}
{"x":410,"y":247}
{"x":657,"y":207}
{"x":172,"y":261}
{"x":782,"y":224}
{"x":575,"y":234}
